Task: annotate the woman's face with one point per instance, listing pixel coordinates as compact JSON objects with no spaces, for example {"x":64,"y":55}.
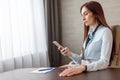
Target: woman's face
{"x":88,"y":17}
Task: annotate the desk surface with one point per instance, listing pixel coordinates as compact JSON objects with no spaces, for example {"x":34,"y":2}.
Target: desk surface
{"x":24,"y":74}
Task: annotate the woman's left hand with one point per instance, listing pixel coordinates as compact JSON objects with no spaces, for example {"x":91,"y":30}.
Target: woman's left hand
{"x":72,"y":71}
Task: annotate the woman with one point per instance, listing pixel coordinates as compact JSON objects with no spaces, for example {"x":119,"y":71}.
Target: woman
{"x":97,"y":44}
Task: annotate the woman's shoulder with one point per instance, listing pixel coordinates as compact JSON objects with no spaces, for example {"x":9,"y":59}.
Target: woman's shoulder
{"x":106,"y":32}
{"x":104,"y":29}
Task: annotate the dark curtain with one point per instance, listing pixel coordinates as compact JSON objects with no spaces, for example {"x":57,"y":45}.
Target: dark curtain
{"x":54,"y":31}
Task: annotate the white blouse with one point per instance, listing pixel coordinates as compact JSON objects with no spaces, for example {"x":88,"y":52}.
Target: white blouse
{"x":98,"y":52}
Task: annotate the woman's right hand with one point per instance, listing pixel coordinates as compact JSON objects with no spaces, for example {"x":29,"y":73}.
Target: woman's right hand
{"x":65,"y":51}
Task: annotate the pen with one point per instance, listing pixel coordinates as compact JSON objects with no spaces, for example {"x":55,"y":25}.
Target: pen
{"x":45,"y":69}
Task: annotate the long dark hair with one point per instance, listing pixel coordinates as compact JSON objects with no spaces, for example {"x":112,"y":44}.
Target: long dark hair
{"x":97,"y":11}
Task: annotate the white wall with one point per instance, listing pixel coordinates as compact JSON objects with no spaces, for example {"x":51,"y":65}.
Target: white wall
{"x":71,"y":21}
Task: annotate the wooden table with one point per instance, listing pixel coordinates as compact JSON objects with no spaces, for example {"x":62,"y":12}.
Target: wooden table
{"x":24,"y":74}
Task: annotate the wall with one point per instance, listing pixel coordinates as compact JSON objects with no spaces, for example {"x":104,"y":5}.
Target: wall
{"x":71,"y":21}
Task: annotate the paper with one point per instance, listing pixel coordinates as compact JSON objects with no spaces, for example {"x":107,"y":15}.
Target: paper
{"x":43,"y":70}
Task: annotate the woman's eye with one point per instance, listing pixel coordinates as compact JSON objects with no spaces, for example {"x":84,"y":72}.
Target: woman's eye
{"x":85,"y":13}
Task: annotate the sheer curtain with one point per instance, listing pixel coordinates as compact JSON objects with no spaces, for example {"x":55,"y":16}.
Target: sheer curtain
{"x":22,"y":34}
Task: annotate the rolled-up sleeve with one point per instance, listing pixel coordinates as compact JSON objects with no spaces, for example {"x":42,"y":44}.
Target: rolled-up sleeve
{"x":106,"y":48}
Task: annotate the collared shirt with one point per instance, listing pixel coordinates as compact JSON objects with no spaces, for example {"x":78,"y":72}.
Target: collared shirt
{"x":98,"y":51}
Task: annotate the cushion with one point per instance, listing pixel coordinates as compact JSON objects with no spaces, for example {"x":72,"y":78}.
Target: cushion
{"x":115,"y":62}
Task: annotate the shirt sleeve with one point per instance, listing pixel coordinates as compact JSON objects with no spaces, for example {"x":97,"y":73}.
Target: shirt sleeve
{"x":103,"y":62}
{"x":76,"y":58}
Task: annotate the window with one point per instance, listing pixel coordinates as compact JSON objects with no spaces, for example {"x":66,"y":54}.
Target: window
{"x":22,"y":28}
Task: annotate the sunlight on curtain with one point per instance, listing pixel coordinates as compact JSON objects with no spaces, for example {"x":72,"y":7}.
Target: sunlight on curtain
{"x":22,"y":32}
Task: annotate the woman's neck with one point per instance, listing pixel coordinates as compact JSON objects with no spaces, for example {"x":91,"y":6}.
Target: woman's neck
{"x":93,"y":26}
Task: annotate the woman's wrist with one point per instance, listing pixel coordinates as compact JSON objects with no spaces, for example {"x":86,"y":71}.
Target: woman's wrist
{"x":84,"y":68}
